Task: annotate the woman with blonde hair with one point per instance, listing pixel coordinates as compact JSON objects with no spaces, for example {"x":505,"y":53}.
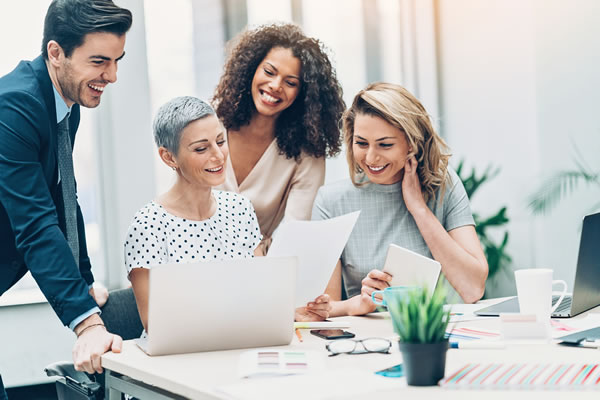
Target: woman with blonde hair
{"x":407,"y":195}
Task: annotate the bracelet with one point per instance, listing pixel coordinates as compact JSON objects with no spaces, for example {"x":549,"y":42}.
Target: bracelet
{"x":88,"y":327}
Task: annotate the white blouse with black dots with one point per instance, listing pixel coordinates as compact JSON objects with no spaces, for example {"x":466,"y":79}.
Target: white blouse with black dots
{"x":157,"y":237}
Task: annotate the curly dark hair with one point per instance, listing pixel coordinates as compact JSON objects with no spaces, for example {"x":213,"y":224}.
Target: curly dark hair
{"x":311,"y":123}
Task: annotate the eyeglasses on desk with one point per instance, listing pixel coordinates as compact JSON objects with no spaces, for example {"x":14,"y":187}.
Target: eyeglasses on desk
{"x":350,"y":346}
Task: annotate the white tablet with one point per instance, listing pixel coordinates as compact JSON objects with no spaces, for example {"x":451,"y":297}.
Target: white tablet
{"x":411,"y":269}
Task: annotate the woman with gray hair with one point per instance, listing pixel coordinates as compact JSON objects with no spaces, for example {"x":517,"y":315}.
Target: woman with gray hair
{"x":192,"y":221}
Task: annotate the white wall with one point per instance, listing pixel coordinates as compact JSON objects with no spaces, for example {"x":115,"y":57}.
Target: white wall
{"x":518,"y":83}
{"x":568,"y":92}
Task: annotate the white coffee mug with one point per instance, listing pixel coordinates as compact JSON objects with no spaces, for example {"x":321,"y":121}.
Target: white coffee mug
{"x":534,"y":288}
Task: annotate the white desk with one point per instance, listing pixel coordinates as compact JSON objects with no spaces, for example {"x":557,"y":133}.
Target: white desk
{"x":198,"y":375}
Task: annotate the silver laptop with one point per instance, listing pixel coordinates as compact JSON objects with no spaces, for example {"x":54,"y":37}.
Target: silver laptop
{"x":220,"y":305}
{"x":586,"y":289}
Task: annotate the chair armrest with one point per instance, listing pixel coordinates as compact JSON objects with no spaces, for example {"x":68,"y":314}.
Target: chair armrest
{"x":66,"y":368}
{"x":74,"y":384}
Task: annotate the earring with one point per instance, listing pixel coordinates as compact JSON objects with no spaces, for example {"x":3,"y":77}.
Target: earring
{"x":174,"y":168}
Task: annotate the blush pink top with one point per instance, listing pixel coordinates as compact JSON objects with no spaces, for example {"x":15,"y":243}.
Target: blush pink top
{"x":279,"y":188}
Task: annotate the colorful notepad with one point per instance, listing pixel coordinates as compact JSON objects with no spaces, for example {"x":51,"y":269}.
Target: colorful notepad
{"x":466,"y":333}
{"x":525,"y":376}
{"x":273,"y":362}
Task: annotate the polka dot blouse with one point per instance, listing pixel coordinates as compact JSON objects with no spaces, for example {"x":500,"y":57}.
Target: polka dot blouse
{"x":157,"y":237}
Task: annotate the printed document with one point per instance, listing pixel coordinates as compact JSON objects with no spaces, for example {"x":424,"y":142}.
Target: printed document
{"x":318,"y":246}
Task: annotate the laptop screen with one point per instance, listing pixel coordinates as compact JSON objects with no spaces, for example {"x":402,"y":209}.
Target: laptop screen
{"x":586,"y":289}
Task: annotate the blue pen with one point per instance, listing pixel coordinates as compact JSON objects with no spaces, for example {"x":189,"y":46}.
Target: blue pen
{"x":477,"y":344}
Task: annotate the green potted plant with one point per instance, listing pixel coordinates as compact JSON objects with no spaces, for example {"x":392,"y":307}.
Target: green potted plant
{"x":563,"y":183}
{"x":495,"y":251}
{"x":420,"y":321}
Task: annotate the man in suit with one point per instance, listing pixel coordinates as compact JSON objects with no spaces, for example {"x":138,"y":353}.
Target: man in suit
{"x":41,"y":225}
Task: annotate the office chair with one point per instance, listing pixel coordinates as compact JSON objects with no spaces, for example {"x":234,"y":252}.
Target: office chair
{"x":120,"y":315}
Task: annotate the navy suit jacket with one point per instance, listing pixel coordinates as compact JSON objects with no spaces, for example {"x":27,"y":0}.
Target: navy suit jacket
{"x":31,"y":207}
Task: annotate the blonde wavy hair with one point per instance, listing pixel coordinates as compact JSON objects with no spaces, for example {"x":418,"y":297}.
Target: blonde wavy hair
{"x":398,"y":107}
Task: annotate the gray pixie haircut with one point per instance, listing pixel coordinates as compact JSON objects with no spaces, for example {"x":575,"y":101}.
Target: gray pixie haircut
{"x":172,"y":118}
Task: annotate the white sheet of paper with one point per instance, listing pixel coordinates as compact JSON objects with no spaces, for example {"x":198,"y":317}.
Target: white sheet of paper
{"x":337,"y":384}
{"x":465,"y":312}
{"x":318,"y":246}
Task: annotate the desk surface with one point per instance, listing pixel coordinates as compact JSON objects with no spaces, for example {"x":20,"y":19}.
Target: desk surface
{"x":198,"y":375}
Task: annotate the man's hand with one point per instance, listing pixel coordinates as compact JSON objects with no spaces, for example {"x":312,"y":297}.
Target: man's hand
{"x":93,"y":340}
{"x":99,"y":293}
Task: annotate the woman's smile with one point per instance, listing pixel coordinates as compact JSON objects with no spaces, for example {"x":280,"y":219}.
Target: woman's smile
{"x":380,"y":149}
{"x":377,"y":169}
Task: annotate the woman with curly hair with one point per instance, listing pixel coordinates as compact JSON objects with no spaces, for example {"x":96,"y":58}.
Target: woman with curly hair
{"x":280,"y":101}
{"x":407,"y":194}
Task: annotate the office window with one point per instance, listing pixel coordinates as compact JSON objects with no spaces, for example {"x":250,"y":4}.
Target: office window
{"x":344,"y":35}
{"x":390,"y":40}
{"x":267,"y":11}
{"x":170,"y":51}
{"x":22,"y":22}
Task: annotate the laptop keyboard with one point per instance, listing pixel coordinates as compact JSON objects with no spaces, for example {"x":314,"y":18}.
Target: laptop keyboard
{"x":565,"y":305}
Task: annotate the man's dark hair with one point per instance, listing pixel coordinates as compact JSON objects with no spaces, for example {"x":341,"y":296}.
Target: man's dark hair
{"x":68,"y":21}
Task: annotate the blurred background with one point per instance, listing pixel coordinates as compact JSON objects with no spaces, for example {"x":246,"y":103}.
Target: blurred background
{"x":512,"y":86}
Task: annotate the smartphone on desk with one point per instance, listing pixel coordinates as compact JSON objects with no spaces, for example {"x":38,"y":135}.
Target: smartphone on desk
{"x":332,"y":334}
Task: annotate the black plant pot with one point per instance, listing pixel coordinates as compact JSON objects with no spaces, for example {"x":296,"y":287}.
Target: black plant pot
{"x":424,"y":363}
